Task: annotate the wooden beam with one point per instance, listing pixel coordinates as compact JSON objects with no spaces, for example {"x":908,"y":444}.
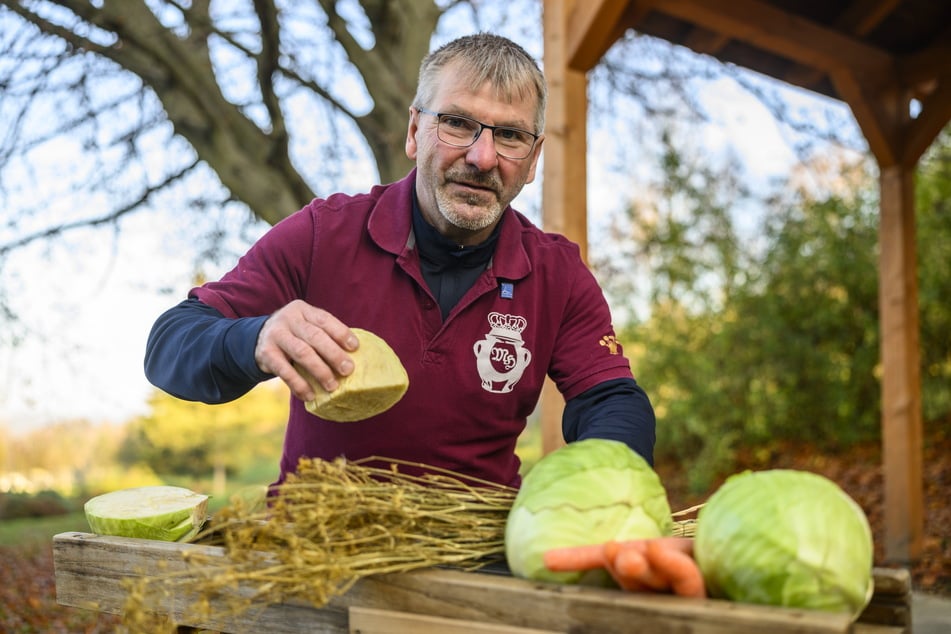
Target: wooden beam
{"x":922,"y":131}
{"x":895,"y":138}
{"x":927,"y":64}
{"x":782,"y":33}
{"x":901,"y":379}
{"x":564,"y":189}
{"x":859,"y":18}
{"x":881,"y":132}
{"x":863,"y":16}
{"x":592,"y":27}
{"x":564,"y":185}
{"x":705,"y":42}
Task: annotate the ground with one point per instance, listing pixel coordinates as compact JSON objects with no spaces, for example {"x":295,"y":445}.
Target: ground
{"x":27,"y":589}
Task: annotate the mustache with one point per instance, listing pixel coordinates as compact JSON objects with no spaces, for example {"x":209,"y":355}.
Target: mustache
{"x":475,"y":178}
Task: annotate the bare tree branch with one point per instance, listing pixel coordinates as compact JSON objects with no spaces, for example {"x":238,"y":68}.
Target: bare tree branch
{"x":111,"y":218}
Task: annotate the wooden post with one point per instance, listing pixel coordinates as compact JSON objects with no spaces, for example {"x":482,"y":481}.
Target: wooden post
{"x":564,"y":187}
{"x":901,"y":378}
{"x":897,"y":141}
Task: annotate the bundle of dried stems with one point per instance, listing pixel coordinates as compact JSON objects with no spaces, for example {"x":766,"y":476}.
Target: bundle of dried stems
{"x":331,"y":524}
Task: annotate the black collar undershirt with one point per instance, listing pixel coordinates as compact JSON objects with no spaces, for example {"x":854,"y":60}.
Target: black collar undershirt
{"x":448,"y":268}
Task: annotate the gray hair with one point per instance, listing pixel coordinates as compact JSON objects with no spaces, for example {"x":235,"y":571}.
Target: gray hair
{"x":486,"y":57}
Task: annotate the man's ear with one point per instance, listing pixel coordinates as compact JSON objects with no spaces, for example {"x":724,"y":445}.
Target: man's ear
{"x":411,"y":131}
{"x":536,"y":152}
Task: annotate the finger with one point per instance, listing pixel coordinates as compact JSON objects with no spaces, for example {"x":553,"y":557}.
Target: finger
{"x":326,"y":342}
{"x":277,"y":349}
{"x":328,"y":325}
{"x":295,"y":379}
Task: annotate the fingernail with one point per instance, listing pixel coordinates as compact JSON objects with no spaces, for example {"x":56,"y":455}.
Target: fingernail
{"x":331,"y":385}
{"x":346,"y":367}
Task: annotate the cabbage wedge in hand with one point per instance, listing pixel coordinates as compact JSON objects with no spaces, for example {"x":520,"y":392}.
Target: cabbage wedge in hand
{"x":377,"y":383}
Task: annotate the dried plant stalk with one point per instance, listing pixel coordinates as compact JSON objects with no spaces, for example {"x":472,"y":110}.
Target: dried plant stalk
{"x":332,"y":524}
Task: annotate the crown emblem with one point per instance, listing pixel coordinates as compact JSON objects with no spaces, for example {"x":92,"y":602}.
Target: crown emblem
{"x":512,"y":325}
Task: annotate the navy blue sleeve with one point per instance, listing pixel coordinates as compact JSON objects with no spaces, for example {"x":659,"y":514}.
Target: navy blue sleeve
{"x":197,"y":354}
{"x":617,"y":410}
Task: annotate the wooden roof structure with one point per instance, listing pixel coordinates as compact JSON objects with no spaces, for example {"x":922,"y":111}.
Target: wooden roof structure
{"x":888,"y":60}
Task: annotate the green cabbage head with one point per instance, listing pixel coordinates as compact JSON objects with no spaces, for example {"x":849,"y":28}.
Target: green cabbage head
{"x":788,"y":538}
{"x":587,"y":492}
{"x":166,"y":513}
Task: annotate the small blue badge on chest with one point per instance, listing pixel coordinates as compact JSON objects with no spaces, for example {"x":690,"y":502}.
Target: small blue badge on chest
{"x":508,"y":290}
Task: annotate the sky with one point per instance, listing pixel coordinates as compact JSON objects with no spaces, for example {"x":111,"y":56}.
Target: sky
{"x":90,"y":301}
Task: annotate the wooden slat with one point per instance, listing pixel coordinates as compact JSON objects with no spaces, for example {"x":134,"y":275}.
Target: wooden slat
{"x":782,"y":33}
{"x":90,"y":571}
{"x":891,"y":603}
{"x":370,"y":621}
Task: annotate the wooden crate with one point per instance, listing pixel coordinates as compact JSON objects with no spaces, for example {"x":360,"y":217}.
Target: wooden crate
{"x":90,"y":570}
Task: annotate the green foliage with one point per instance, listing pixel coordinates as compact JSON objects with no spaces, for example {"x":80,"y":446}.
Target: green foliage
{"x":40,"y":530}
{"x":41,"y":504}
{"x":784,"y":344}
{"x":187,"y":438}
{"x":933,"y":195}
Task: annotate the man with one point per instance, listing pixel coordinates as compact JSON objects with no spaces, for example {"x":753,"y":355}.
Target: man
{"x":479,"y":304}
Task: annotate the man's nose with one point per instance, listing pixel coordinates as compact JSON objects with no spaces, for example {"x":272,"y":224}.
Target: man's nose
{"x":482,"y":152}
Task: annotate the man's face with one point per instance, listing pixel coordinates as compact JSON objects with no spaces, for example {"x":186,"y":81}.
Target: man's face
{"x":463,"y":191}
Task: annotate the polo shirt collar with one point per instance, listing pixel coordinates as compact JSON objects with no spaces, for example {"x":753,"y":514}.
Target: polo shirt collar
{"x":391,"y":227}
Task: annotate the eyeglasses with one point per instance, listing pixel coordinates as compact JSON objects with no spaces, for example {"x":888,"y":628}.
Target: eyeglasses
{"x":459,"y":131}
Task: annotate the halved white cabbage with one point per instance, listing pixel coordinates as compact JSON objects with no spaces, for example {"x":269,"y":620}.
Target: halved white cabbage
{"x":165,"y":513}
{"x":377,"y":383}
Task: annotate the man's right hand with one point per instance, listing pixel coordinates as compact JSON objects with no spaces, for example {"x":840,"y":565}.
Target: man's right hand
{"x":310,"y":337}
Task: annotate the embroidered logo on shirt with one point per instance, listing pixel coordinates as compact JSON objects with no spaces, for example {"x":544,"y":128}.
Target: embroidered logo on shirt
{"x":501,"y":357}
{"x":611,"y":342}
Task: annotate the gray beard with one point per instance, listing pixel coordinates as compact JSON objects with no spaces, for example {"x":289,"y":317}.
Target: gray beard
{"x":448,"y":211}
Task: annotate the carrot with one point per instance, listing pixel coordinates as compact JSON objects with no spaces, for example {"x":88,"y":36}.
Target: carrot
{"x":628,"y":566}
{"x":663,"y":564}
{"x":575,"y":558}
{"x":678,"y":567}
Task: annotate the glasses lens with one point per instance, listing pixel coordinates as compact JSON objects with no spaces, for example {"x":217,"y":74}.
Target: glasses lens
{"x":462,"y":132}
{"x":513,"y":143}
{"x":457,"y":130}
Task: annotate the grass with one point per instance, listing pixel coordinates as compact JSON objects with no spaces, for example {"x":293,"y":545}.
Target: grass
{"x":250,"y":482}
{"x":31,"y":530}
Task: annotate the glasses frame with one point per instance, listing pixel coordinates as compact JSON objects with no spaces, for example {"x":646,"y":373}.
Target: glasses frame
{"x":482,"y":128}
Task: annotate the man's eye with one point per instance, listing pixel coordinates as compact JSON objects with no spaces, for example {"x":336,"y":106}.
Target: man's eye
{"x":458,"y":123}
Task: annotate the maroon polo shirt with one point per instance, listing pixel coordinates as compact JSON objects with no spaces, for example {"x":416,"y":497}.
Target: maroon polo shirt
{"x":474,"y":378}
